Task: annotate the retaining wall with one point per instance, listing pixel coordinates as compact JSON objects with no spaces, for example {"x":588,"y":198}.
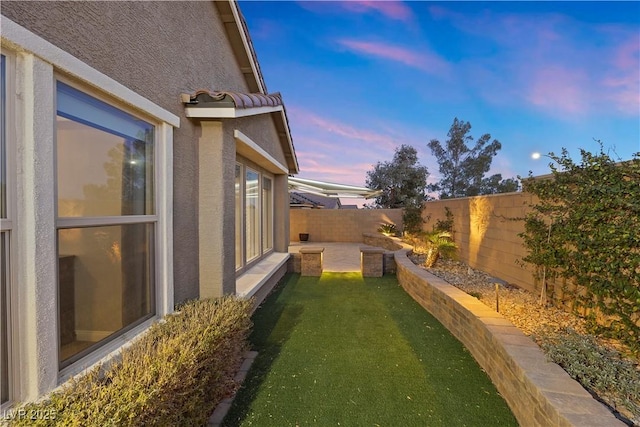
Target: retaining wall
{"x":539,"y":392}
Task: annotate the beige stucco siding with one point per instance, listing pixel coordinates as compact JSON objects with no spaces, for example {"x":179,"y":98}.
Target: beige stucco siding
{"x":157,"y":49}
{"x":160,"y":50}
{"x":262,"y":131}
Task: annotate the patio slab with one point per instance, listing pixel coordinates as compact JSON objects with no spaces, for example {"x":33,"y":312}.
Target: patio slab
{"x":337,"y":257}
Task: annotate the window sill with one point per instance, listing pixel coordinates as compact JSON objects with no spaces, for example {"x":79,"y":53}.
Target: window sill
{"x":250,"y":282}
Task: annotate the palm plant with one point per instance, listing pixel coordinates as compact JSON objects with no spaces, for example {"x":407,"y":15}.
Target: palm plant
{"x":388,"y":229}
{"x":439,"y":243}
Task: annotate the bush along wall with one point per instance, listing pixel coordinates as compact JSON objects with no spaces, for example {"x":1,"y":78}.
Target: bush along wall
{"x":585,"y":230}
{"x":174,"y":375}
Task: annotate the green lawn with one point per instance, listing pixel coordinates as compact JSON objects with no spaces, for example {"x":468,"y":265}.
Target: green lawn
{"x":341,"y":350}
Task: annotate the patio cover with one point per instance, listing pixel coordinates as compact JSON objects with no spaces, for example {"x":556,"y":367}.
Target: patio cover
{"x":329,"y":189}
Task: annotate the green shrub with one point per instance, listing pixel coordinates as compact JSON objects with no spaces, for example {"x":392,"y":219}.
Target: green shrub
{"x":446,"y":224}
{"x":412,"y":219}
{"x":584,"y":229}
{"x":173,"y":375}
{"x":601,"y":370}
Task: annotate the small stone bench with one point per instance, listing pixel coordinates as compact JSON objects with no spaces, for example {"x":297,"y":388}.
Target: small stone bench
{"x":311,"y":261}
{"x":372,"y":261}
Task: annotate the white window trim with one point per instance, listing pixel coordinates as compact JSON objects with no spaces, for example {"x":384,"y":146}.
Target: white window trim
{"x":241,"y":240}
{"x":37,"y":64}
{"x":248,"y":148}
{"x":253,"y":259}
{"x":105,"y":221}
{"x":272,"y":224}
{"x":7,"y":228}
{"x":247,"y":263}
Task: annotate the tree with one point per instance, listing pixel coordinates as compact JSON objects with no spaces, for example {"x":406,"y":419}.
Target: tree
{"x":463,"y":168}
{"x":403,"y":182}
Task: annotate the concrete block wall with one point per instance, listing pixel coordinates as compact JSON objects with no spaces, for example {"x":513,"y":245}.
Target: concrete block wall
{"x":539,"y":392}
{"x":486,"y":230}
{"x":340,"y":225}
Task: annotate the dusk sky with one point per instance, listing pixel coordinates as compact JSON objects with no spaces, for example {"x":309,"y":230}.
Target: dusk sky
{"x":360,"y":78}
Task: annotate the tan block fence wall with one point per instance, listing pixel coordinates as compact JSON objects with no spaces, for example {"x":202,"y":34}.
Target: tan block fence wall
{"x":340,"y":225}
{"x":486,"y":231}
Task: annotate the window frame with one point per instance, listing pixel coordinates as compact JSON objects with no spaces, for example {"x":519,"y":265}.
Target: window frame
{"x":8,"y":225}
{"x":267,"y":246}
{"x":66,"y":223}
{"x":239,"y":229}
{"x":247,"y":263}
{"x":258,"y":213}
{"x":38,"y":63}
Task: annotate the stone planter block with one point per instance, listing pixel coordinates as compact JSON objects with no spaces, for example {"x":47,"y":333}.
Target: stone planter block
{"x":372,"y":261}
{"x":311,"y":261}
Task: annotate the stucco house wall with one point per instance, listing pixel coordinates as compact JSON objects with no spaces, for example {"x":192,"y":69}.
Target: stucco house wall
{"x":158,"y":51}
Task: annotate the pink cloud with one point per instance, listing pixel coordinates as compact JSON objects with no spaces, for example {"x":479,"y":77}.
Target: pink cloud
{"x":314,"y":165}
{"x":622,"y":82}
{"x":309,"y":119}
{"x":559,"y":88}
{"x":391,"y":9}
{"x":424,"y":61}
{"x":541,"y":61}
{"x":332,"y":150}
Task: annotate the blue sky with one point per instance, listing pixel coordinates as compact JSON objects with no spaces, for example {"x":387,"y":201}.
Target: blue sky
{"x":360,"y":78}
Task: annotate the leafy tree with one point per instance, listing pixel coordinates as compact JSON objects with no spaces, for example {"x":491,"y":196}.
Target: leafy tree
{"x":584,"y":228}
{"x":403,"y":182}
{"x":463,"y":168}
{"x":495,"y":184}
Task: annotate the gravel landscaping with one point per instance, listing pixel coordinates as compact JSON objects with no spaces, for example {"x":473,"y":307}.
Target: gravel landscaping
{"x":602,"y":366}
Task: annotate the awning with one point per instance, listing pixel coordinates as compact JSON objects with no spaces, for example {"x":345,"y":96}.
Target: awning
{"x":329,"y":189}
{"x":214,"y":105}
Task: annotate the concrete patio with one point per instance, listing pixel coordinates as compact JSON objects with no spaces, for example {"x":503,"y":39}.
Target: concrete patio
{"x":337,"y":256}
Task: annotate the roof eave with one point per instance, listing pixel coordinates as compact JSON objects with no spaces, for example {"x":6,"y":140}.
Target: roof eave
{"x":238,"y":36}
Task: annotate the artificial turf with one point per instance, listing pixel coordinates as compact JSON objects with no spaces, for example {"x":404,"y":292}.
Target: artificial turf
{"x":341,"y":350}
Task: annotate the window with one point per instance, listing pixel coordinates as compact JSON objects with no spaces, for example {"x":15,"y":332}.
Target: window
{"x":5,"y":231}
{"x":253,"y":215}
{"x":4,"y":332}
{"x":238,"y":216}
{"x":267,"y":215}
{"x":106,"y":221}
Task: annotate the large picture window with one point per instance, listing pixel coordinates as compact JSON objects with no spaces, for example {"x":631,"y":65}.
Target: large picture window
{"x":106,"y":221}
